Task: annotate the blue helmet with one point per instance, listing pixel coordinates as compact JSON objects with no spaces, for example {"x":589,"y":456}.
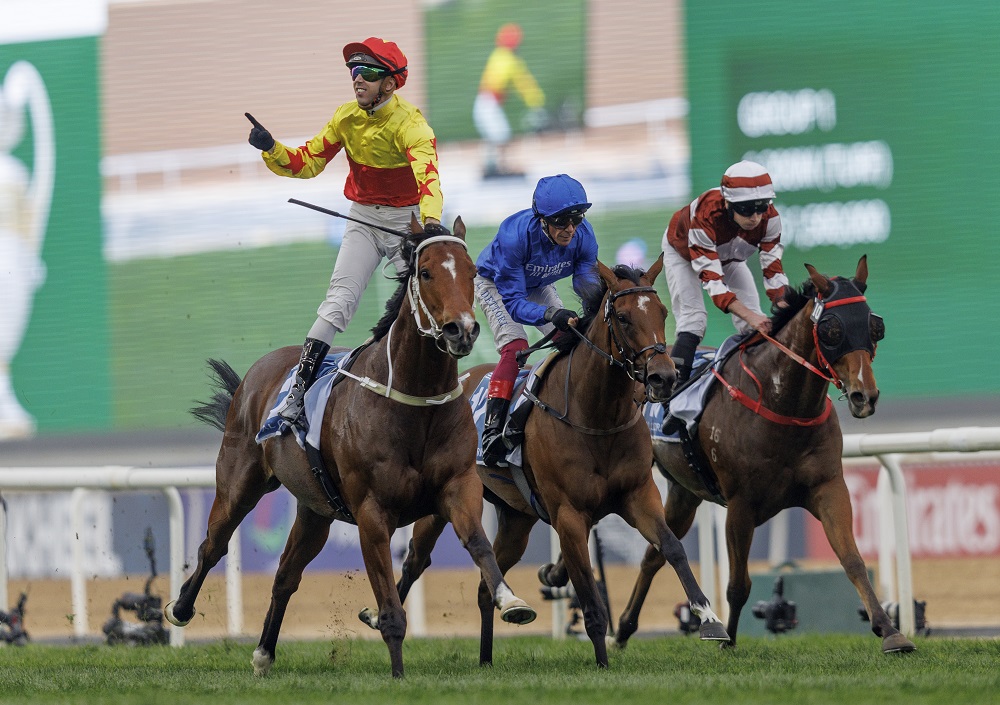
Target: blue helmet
{"x":559,"y":195}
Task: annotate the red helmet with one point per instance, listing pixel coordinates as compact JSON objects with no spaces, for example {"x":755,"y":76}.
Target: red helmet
{"x":509,"y":36}
{"x":386,"y":54}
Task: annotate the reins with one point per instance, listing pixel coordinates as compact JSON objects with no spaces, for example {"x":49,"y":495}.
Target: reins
{"x":431,"y":330}
{"x":627,"y":364}
{"x":825,"y":371}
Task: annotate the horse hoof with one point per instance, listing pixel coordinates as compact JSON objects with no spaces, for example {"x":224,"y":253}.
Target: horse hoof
{"x":517,"y":611}
{"x":262,"y":662}
{"x":713,"y":631}
{"x":168,"y":614}
{"x":897,"y":644}
{"x":613,"y":643}
{"x":369,"y":616}
{"x":543,"y":577}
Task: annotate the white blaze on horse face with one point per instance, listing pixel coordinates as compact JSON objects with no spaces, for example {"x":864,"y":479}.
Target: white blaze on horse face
{"x":451,"y":266}
{"x":468,"y":320}
{"x":643,"y":301}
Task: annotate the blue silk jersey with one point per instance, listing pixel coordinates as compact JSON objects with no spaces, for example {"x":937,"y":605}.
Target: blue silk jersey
{"x":521,"y":258}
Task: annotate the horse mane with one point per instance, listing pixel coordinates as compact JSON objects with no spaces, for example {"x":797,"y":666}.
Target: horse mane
{"x":409,"y":252}
{"x":796,"y":299}
{"x":591,"y":297}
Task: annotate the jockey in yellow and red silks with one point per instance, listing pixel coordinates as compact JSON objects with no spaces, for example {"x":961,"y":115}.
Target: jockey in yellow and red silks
{"x":392,"y":155}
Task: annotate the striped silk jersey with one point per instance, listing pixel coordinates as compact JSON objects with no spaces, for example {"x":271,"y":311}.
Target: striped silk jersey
{"x":392,"y":155}
{"x":706,"y":235}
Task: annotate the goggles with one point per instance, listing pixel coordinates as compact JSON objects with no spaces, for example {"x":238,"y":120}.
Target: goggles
{"x":748,"y":208}
{"x":563,"y":221}
{"x":368,"y":73}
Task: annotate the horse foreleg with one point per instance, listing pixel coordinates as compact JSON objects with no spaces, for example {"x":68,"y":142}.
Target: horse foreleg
{"x":513,"y":530}
{"x":305,"y":540}
{"x":739,"y":536}
{"x":463,"y":504}
{"x":678,"y":511}
{"x":573,"y":530}
{"x":643,"y":512}
{"x":233,"y":501}
{"x":375,"y":533}
{"x":831,"y":504}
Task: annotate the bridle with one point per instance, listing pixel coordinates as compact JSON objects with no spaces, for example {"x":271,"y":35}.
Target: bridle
{"x":627,"y":355}
{"x":417,"y":305}
{"x":821,"y":310}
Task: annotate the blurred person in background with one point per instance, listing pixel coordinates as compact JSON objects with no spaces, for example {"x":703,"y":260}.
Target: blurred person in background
{"x":706,"y":246}
{"x":505,"y":69}
{"x":392,"y":156}
{"x":25,"y":201}
{"x":515,"y":285}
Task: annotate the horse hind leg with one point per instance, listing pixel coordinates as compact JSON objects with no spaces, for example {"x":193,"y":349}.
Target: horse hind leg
{"x":831,"y":504}
{"x":739,"y":536}
{"x":679,"y":511}
{"x":305,"y":540}
{"x":426,"y":532}
{"x":233,"y":501}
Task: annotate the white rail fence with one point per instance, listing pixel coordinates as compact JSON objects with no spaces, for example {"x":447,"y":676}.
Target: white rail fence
{"x":888,"y":449}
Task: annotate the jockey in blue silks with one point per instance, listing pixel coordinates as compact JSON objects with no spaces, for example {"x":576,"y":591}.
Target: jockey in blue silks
{"x":515,"y":286}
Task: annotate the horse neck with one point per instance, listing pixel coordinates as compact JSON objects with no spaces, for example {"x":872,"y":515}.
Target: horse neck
{"x":419,"y":367}
{"x":788,"y":386}
{"x":599,"y":389}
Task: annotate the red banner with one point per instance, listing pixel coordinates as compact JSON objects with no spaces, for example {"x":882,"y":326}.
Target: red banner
{"x":953,"y":510}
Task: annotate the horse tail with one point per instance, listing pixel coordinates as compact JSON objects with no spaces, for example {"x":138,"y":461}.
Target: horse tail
{"x":214,"y":411}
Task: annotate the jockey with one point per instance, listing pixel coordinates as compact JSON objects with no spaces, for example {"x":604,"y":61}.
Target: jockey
{"x":515,"y":285}
{"x":707,"y":245}
{"x":392,"y":155}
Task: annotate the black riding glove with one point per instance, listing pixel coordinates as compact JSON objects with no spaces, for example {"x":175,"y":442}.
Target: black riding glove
{"x":259,"y":136}
{"x":560,"y":317}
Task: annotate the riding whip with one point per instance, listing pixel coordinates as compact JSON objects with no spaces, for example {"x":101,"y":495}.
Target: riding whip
{"x":297,"y":202}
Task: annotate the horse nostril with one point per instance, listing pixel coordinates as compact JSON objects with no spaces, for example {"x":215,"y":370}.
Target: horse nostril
{"x":857,"y":398}
{"x":451,"y":330}
{"x":474,"y":333}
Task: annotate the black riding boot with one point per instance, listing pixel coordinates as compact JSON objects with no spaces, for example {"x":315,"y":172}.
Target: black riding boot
{"x":313,"y":352}
{"x":494,"y":448}
{"x":682,"y":353}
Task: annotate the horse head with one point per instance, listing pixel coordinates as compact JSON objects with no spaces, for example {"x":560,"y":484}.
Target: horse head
{"x":636,"y":318}
{"x":846,"y":333}
{"x":440,"y":286}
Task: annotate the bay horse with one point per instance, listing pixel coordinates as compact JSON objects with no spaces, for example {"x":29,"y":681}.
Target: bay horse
{"x":772,"y":438}
{"x":587,"y":454}
{"x":398,"y":441}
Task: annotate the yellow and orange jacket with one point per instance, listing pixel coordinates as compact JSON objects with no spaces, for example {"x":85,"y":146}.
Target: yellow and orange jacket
{"x":392,"y":155}
{"x":504,"y":68}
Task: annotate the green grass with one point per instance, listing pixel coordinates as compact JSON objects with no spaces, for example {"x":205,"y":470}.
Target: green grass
{"x":800,"y":669}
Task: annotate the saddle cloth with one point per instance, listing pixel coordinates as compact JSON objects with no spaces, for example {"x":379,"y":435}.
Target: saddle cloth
{"x":690,"y":403}
{"x":315,"y":403}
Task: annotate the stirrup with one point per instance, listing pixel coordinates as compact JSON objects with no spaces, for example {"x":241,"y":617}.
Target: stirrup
{"x":292,"y":408}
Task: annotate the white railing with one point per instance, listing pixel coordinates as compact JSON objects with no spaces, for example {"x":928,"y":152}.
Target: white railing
{"x":82,"y":479}
{"x":888,"y":449}
{"x":894,"y":542}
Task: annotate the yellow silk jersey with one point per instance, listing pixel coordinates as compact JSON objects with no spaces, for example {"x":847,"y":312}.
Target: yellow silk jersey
{"x":392,"y":155}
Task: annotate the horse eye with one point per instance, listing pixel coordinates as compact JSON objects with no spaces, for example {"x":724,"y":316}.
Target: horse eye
{"x":622,"y":318}
{"x":877,"y":326}
{"x":830,"y":331}
{"x":425,"y":274}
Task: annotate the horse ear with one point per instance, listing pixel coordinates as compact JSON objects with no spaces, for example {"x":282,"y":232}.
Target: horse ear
{"x":820,"y":281}
{"x":415,"y":227}
{"x":458,"y":229}
{"x":861,"y":276}
{"x":607,"y":275}
{"x":655,"y":270}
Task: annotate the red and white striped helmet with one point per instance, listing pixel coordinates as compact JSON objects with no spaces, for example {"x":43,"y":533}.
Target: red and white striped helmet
{"x":746,"y":181}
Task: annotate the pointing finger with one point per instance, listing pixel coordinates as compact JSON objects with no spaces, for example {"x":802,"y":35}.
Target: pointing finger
{"x":253,"y":120}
